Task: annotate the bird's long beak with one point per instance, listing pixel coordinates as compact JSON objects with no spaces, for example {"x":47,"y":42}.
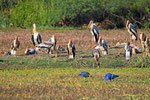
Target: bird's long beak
{"x":70,"y":42}
{"x":99,"y":39}
{"x":16,"y":38}
{"x":90,"y":23}
{"x":127,"y":24}
{"x":147,"y":40}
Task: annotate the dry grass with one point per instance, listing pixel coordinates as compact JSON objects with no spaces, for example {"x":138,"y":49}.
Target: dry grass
{"x":81,"y":38}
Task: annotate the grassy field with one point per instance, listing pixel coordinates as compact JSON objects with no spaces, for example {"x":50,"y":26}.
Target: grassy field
{"x":31,"y":77}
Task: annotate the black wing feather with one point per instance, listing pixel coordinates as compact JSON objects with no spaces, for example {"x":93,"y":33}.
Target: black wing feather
{"x":32,"y":38}
{"x":39,"y":39}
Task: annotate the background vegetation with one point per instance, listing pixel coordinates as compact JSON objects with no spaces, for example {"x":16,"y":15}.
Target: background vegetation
{"x":76,"y":13}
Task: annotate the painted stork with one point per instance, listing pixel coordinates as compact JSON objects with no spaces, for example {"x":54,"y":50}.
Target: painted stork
{"x":96,"y":55}
{"x":142,"y":40}
{"x":128,"y":51}
{"x":30,"y":51}
{"x":36,"y":37}
{"x":53,"y":41}
{"x":110,"y":76}
{"x":132,"y":30}
{"x":15,"y":44}
{"x":103,"y":46}
{"x":147,"y":44}
{"x":94,"y":30}
{"x":71,"y":50}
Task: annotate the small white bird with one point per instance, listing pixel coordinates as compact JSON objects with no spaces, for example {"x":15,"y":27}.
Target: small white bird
{"x":15,"y":44}
{"x":128,"y":51}
{"x":36,"y":37}
{"x":94,"y":30}
{"x":132,"y":30}
{"x":96,"y":55}
{"x":103,"y":46}
{"x":71,"y":50}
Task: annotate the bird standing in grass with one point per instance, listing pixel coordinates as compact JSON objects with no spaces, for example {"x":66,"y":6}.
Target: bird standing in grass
{"x":96,"y":55}
{"x":71,"y":50}
{"x":53,"y":41}
{"x":15,"y":44}
{"x":132,"y":30}
{"x":142,"y":40}
{"x":94,"y":30}
{"x":110,"y":76}
{"x":84,"y":74}
{"x":128,"y":51}
{"x":36,"y":37}
{"x":103,"y":46}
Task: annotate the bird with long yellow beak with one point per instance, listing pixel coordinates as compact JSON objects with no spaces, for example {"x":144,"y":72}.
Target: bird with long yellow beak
{"x":15,"y":44}
{"x":96,"y":55}
{"x":94,"y":30}
{"x":131,"y":28}
{"x":103,"y":46}
{"x":36,"y":37}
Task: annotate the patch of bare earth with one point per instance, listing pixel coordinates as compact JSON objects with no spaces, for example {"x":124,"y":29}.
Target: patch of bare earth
{"x":82,"y":38}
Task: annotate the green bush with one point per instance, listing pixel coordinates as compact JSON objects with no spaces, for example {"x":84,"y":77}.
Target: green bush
{"x":74,"y":12}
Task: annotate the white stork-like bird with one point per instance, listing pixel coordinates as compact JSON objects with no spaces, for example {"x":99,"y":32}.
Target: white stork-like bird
{"x":132,"y":30}
{"x":142,"y":40}
{"x":71,"y":50}
{"x":94,"y":30}
{"x":53,"y":41}
{"x":36,"y":37}
{"x":128,"y":51}
{"x":103,"y":46}
{"x":96,"y":55}
{"x":15,"y":44}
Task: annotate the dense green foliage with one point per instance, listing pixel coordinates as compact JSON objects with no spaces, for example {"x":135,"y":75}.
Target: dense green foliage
{"x":110,"y":13}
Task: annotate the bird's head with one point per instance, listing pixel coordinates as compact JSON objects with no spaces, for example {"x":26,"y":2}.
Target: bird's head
{"x":1,"y":52}
{"x":117,"y":44}
{"x":70,"y":42}
{"x":93,"y":46}
{"x":134,"y":51}
{"x":147,"y":39}
{"x":142,"y":33}
{"x":16,"y":38}
{"x":91,"y":21}
{"x":127,"y":23}
{"x":26,"y":51}
{"x":34,"y":28}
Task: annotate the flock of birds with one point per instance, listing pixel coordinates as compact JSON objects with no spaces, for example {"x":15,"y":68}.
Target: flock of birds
{"x":100,"y":48}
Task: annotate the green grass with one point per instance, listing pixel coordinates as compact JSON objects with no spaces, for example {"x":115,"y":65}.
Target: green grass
{"x":31,"y":77}
{"x":65,"y":82}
